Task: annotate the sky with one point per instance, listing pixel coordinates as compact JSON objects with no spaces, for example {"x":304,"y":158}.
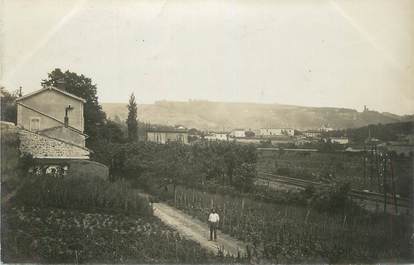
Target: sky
{"x":346,"y":53}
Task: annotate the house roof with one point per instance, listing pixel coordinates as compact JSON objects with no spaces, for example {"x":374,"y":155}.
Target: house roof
{"x":63,"y":126}
{"x":50,"y":88}
{"x":167,"y":131}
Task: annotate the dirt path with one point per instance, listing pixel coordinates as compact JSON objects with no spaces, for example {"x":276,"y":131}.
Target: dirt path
{"x":198,"y":231}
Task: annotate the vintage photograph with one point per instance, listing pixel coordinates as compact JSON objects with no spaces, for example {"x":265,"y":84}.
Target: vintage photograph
{"x":207,"y":132}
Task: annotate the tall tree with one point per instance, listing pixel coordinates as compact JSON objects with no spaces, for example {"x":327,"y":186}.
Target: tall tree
{"x":83,"y":87}
{"x":132,"y":120}
{"x":8,"y":105}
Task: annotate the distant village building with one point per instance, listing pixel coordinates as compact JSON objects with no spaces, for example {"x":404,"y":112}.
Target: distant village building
{"x":163,"y":136}
{"x":269,"y":132}
{"x":55,"y":121}
{"x":312,"y":134}
{"x":301,"y":140}
{"x":339,"y":140}
{"x":405,"y":146}
{"x":217,"y":136}
{"x":238,"y":133}
{"x":325,"y":128}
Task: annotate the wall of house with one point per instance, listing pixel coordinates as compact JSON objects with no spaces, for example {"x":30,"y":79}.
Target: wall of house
{"x":43,"y":146}
{"x":55,"y":107}
{"x":164,"y":137}
{"x":276,"y":132}
{"x":238,"y":134}
{"x":65,"y":134}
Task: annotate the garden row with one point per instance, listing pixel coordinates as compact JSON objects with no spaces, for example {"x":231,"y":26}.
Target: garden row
{"x":50,"y":235}
{"x":287,"y":233}
{"x":68,"y":220}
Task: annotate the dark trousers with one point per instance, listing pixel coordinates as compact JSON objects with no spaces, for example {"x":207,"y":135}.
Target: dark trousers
{"x":213,"y":231}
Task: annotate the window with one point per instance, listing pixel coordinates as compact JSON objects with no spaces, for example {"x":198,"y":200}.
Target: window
{"x":34,"y":124}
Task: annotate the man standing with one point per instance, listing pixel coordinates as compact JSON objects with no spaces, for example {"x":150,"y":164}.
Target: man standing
{"x":213,"y":220}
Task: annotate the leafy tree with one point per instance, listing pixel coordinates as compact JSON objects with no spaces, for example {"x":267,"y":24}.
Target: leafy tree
{"x":250,"y":134}
{"x":111,"y":132}
{"x":132,"y":119}
{"x":8,"y":105}
{"x":245,"y":176}
{"x":81,"y":86}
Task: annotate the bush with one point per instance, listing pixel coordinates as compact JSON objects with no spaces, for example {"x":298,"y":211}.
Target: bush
{"x":245,"y":176}
{"x":283,"y":171}
{"x":332,"y":199}
{"x":80,"y":193}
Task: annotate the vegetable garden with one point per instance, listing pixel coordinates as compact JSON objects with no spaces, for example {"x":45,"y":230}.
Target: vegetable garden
{"x":51,"y":235}
{"x":286,"y":233}
{"x":75,"y":220}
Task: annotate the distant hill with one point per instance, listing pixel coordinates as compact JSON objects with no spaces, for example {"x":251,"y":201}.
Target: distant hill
{"x":224,"y":115}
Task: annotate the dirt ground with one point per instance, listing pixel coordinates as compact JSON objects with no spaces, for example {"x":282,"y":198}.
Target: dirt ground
{"x":198,"y":231}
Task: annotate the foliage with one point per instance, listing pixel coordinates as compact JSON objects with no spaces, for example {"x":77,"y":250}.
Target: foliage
{"x":49,"y":235}
{"x":14,"y":165}
{"x":281,"y":233}
{"x":8,"y":106}
{"x":81,"y":193}
{"x":384,"y":132}
{"x":81,"y":86}
{"x":174,"y":163}
{"x":245,"y":176}
{"x":250,"y":134}
{"x":132,"y":121}
{"x":332,"y":198}
{"x":335,"y":167}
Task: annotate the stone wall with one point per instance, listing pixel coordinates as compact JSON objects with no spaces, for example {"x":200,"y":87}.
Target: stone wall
{"x":41,"y":146}
{"x":87,"y":169}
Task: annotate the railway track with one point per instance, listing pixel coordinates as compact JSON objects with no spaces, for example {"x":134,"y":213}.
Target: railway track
{"x":356,"y":194}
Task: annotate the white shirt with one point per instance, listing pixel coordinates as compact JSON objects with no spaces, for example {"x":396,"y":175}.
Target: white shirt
{"x":213,"y":217}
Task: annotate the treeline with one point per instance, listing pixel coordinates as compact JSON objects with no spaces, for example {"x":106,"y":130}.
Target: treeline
{"x":150,"y":165}
{"x":384,"y":132}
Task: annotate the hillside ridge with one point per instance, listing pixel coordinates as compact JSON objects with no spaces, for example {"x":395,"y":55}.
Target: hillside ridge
{"x":210,"y":115}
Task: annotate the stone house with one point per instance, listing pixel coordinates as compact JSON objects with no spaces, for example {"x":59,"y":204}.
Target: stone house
{"x":217,"y":136}
{"x":238,"y":133}
{"x":52,"y":124}
{"x":269,"y":132}
{"x":340,"y":140}
{"x":162,"y":136}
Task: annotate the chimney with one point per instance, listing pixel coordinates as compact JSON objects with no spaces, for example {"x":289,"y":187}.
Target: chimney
{"x":66,"y":120}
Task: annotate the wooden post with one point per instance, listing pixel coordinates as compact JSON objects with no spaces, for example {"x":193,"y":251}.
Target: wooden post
{"x":384,"y":182}
{"x":175,"y":196}
{"x":365,"y":166}
{"x":224,"y":213}
{"x":378,"y":167}
{"x":371,"y":165}
{"x":307,"y":215}
{"x":393,"y":187}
